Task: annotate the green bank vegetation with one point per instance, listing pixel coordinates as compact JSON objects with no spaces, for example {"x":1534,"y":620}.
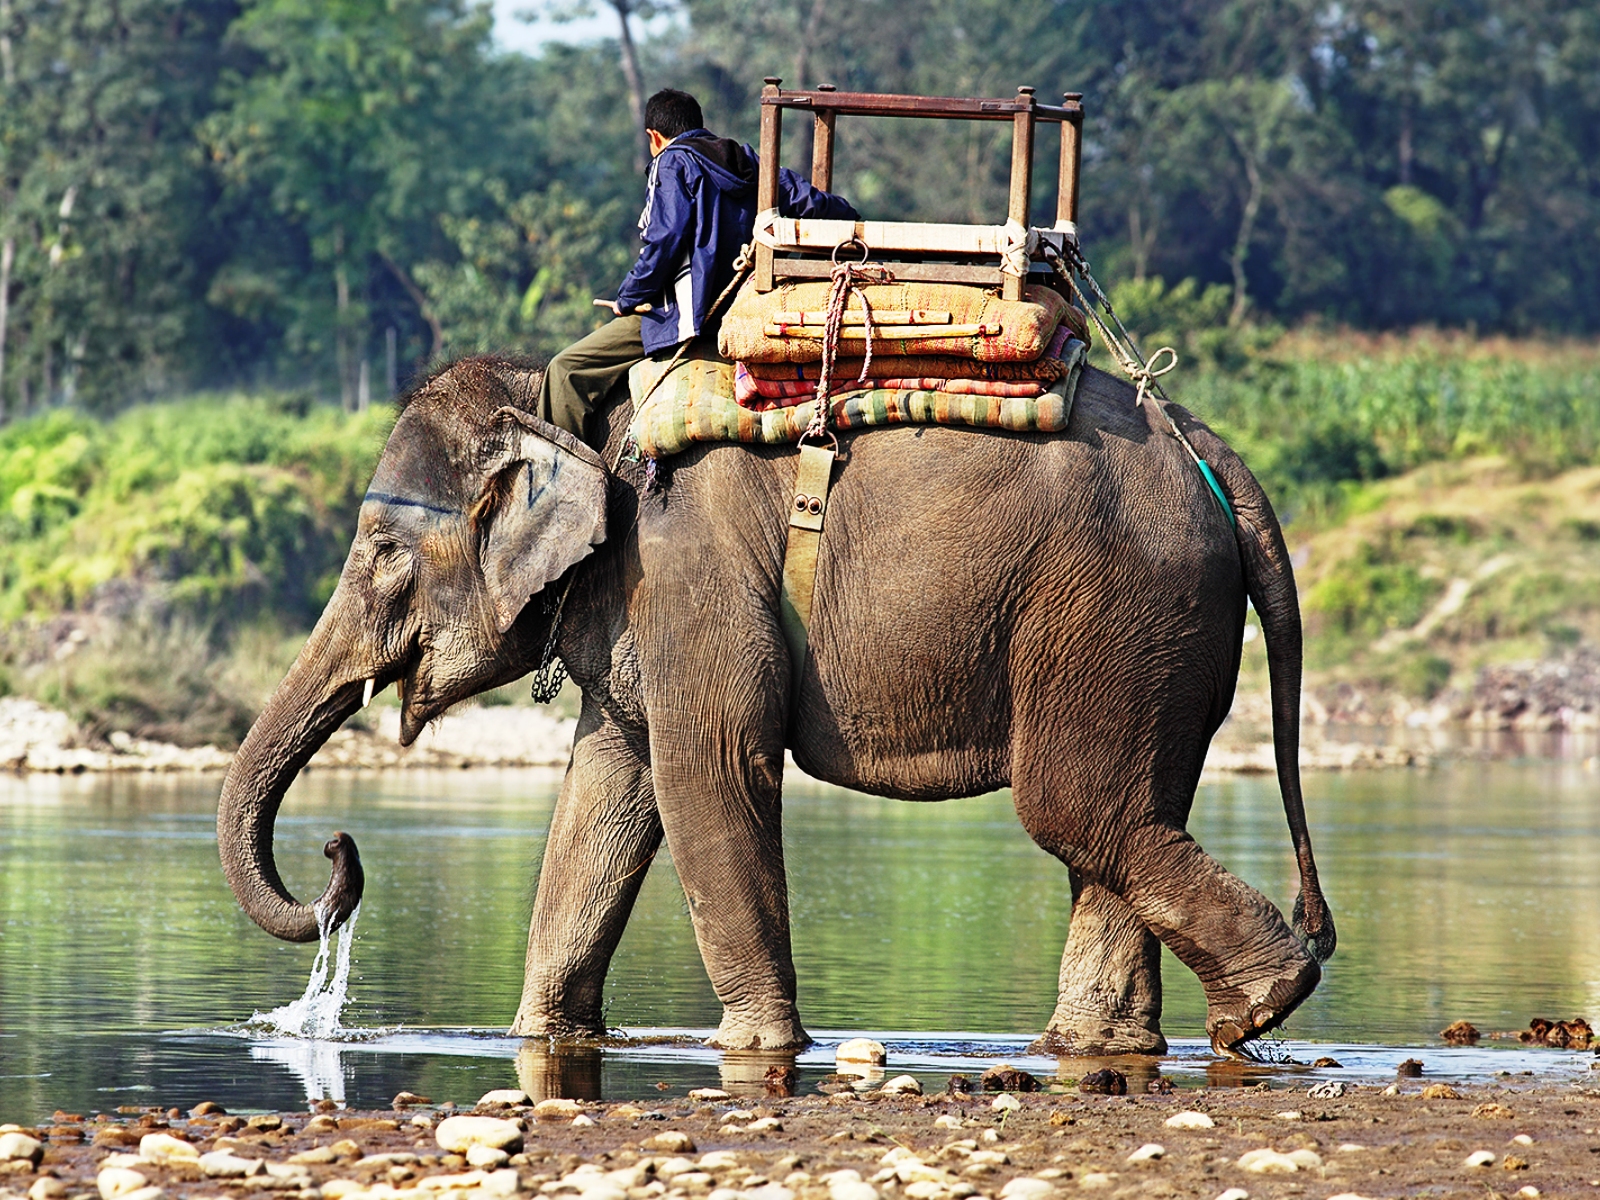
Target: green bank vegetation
{"x":158,"y":569}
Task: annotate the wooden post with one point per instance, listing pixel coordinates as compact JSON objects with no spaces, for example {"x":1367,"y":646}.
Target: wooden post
{"x":767,"y":181}
{"x":822,"y":146}
{"x":1071,"y":159}
{"x":1021,"y":177}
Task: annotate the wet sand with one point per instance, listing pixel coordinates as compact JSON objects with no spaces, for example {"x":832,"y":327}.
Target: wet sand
{"x":1533,"y":1137}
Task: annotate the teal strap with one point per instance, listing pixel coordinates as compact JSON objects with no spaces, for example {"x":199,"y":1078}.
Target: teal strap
{"x":1216,"y":490}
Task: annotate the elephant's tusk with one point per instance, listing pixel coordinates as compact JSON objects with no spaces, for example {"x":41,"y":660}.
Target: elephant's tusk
{"x":366,"y":693}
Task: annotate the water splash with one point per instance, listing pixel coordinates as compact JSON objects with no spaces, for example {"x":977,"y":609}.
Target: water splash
{"x":315,"y":1015}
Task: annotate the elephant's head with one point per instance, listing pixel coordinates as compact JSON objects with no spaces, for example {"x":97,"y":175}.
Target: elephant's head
{"x":476,"y":507}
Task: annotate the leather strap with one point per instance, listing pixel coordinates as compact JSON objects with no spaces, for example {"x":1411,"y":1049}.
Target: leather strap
{"x":806,"y":513}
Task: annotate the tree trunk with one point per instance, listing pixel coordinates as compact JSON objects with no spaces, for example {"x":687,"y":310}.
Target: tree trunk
{"x":8,"y":254}
{"x":1241,"y":244}
{"x":341,"y":336}
{"x":424,"y":309}
{"x":635,"y":81}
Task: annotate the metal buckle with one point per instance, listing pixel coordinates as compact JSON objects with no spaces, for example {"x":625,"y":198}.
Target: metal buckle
{"x":866,"y":251}
{"x":826,"y":433}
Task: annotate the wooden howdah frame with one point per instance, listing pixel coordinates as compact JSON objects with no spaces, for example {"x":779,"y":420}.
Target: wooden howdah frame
{"x":805,"y":245}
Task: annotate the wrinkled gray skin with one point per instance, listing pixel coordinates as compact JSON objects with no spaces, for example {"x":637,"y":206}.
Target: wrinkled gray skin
{"x":1058,"y":614}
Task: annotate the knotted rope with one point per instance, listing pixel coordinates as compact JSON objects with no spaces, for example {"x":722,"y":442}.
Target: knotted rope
{"x":849,"y":279}
{"x":1142,"y":372}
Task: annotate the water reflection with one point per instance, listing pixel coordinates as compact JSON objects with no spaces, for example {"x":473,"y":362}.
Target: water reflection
{"x":1457,"y":893}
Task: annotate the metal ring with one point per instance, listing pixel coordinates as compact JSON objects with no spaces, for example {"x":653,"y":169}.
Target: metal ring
{"x":866,"y":251}
{"x":827,"y":433}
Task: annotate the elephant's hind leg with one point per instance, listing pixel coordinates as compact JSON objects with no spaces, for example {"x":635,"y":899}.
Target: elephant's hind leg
{"x":602,"y":839}
{"x":1109,"y":999}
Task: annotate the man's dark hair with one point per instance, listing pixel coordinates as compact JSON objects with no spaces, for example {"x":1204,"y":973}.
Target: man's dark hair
{"x":671,"y":112}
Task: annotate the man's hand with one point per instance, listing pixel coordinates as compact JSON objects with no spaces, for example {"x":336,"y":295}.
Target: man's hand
{"x":612,"y":305}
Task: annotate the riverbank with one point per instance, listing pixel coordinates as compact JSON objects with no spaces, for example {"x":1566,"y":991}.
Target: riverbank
{"x":753,"y":1142}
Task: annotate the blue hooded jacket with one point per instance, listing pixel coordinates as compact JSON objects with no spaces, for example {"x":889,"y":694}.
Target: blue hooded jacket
{"x":699,"y":209}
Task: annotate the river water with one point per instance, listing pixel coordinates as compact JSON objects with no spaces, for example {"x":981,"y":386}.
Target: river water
{"x":128,"y":976}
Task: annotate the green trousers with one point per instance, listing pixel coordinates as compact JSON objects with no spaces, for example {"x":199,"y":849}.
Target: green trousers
{"x":581,"y":376}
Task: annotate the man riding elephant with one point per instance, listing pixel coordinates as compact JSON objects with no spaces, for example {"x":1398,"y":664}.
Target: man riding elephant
{"x":699,"y":210}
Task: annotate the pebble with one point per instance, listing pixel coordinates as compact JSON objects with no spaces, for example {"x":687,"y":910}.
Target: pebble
{"x":457,"y":1134}
{"x":1190,"y":1120}
{"x":15,"y":1146}
{"x":485,"y":1156}
{"x":132,"y":1161}
{"x":1027,"y":1188}
{"x":507,"y":1097}
{"x":1529,"y":1191}
{"x":1292,"y":1114}
{"x":224,"y":1164}
{"x":670,"y":1141}
{"x":903,"y":1085}
{"x":1006,"y":1102}
{"x":1234,"y":1194}
{"x":115,"y":1182}
{"x":1330,"y":1089}
{"x":1440,"y":1091}
{"x":1266,"y":1161}
{"x":555,"y":1109}
{"x":47,"y":1187}
{"x":1351,"y":1148}
{"x":1148,"y":1152}
{"x":719,"y":1160}
{"x":947,"y":1122}
{"x":861,"y":1051}
{"x":1480,"y":1158}
{"x":764,"y":1125}
{"x":709,"y":1094}
{"x":1523,"y":1139}
{"x":583,"y":1120}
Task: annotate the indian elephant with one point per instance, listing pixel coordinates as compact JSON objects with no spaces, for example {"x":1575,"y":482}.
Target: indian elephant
{"x":1059,"y":614}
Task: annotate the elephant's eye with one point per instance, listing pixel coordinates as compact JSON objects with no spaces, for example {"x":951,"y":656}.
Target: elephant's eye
{"x":387,"y":554}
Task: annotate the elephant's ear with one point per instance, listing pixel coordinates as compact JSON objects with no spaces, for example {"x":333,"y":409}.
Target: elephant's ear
{"x":543,"y":508}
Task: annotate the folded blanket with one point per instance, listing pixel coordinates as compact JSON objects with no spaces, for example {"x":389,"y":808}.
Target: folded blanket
{"x":1025,"y":326}
{"x":1046,"y":368}
{"x":778,"y":393}
{"x":695,"y":404}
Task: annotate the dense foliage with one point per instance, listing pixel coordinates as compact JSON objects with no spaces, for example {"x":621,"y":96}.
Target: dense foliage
{"x":203,"y":193}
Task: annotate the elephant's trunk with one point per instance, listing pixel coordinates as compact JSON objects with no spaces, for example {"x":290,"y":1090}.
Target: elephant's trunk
{"x":313,"y":700}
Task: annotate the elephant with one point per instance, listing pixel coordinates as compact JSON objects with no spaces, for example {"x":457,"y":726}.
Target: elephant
{"x":1062,"y":614}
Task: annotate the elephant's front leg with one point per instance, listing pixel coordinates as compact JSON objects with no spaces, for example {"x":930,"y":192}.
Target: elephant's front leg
{"x":718,"y":785}
{"x":603,"y":837}
{"x":1109,"y":1000}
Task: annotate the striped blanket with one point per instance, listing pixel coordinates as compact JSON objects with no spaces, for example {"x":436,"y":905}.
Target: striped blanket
{"x":1024,"y":327}
{"x":696,"y":404}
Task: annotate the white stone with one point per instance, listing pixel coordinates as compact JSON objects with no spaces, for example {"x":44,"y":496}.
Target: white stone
{"x":15,"y":1146}
{"x":1523,"y":1139}
{"x":449,"y":1183}
{"x":764,"y":1125}
{"x":709,"y":1094}
{"x":1480,"y":1158}
{"x":145,"y":1193}
{"x":224,"y":1164}
{"x":898,"y":1154}
{"x":719,"y":1160}
{"x":1266,"y":1161}
{"x":1148,"y":1152}
{"x":924,"y":1189}
{"x":671,"y":1168}
{"x":915,"y":1171}
{"x":1025,"y":1188}
{"x":989,"y":1158}
{"x":510,"y":1097}
{"x":1097,"y":1179}
{"x":1529,"y":1190}
{"x":1291,"y":1114}
{"x":583,"y":1120}
{"x":114,"y":1182}
{"x":769,"y":1191}
{"x":1306,"y":1160}
{"x":990,"y":1135}
{"x":1234,"y":1194}
{"x":338,"y":1189}
{"x":903,"y":1085}
{"x":671,"y":1141}
{"x":1328,"y":1089}
{"x":1351,"y":1148}
{"x":132,"y":1161}
{"x":861,"y":1052}
{"x":1006,"y":1102}
{"x":1190,"y":1120}
{"x":486,"y":1156}
{"x":946,"y":1121}
{"x":557,"y":1108}
{"x":501,"y":1183}
{"x":458,"y":1134}
{"x":692,"y":1179}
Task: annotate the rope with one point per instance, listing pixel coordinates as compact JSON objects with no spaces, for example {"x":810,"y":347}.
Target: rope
{"x":1143,"y":373}
{"x":1016,"y":254}
{"x":849,"y":279}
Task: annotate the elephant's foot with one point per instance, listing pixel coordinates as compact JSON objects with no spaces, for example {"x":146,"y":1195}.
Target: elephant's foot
{"x":1078,"y":1035}
{"x":556,"y":1027}
{"x":759,"y":1031}
{"x":1239,"y":1012}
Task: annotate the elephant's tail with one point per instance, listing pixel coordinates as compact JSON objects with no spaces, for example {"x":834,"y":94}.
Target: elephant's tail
{"x":1269,"y":577}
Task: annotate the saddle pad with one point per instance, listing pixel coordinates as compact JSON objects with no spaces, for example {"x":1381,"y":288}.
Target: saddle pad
{"x":1025,"y":325}
{"x":696,"y":404}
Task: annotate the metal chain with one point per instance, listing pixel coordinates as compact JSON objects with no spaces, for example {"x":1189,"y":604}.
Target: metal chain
{"x":551,"y":672}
